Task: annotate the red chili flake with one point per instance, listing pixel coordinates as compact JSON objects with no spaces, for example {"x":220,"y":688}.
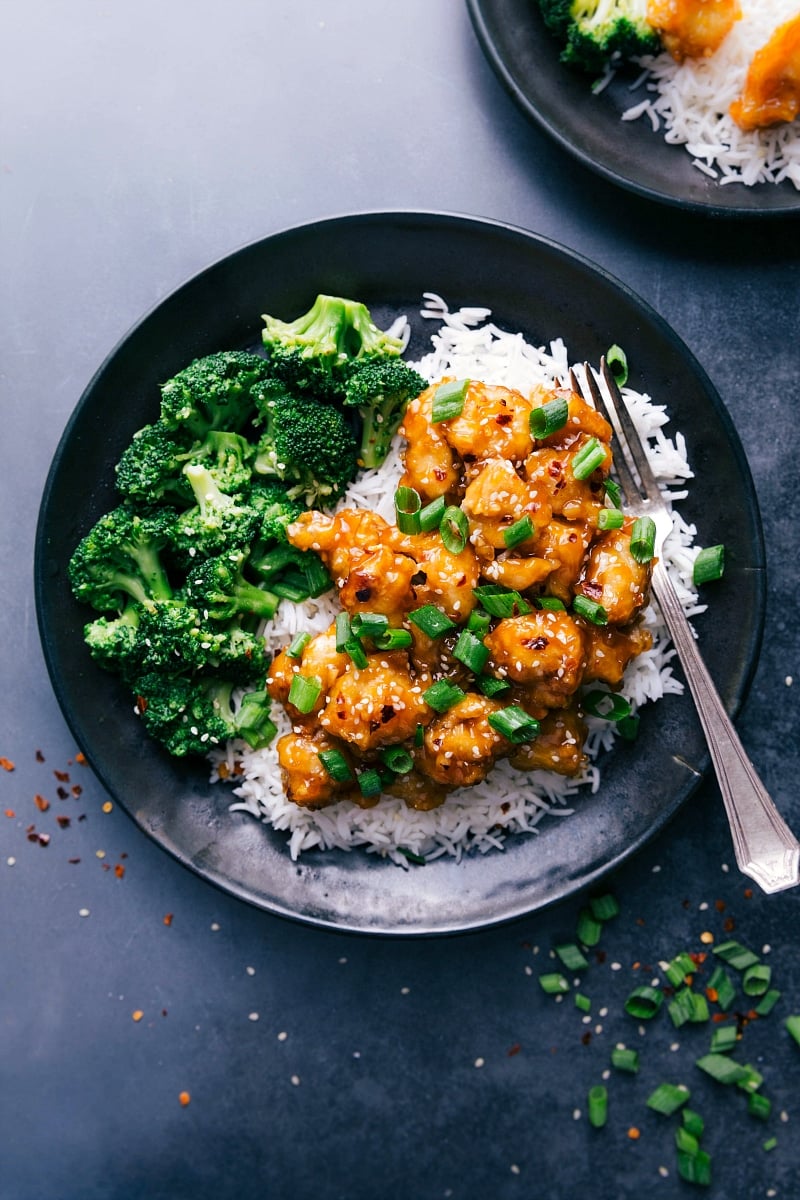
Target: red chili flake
{"x":167,"y":918}
{"x":163,"y":1012}
{"x":515,"y":1049}
{"x":600,"y":955}
{"x":82,"y":817}
{"x":698,"y":957}
{"x":41,"y":803}
{"x":10,"y":812}
{"x":106,"y":866}
{"x":634,"y":1134}
{"x":119,"y":870}
{"x":729,"y":925}
{"x":503,"y":419}
{"x":685,"y":903}
{"x":61,"y":792}
{"x":718,"y":1017}
{"x":748,"y":893}
{"x":635,"y":966}
{"x":63,"y":822}
{"x":39,"y":756}
{"x":712,"y":994}
{"x":80,"y":758}
{"x":640,"y":921}
{"x":439,"y":474}
{"x":720,"y":906}
{"x":73,"y":861}
{"x":587,"y":1037}
{"x":124,"y":854}
{"x":63,"y":776}
{"x":42,"y":838}
{"x":76,"y":790}
{"x":6,"y":764}
{"x":184,"y":1098}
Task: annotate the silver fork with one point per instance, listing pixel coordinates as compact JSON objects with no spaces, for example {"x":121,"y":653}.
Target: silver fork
{"x":765,"y":847}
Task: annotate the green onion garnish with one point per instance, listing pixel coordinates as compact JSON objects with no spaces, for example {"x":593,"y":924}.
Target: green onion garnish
{"x":419,"y":735}
{"x":304,"y":692}
{"x":357,"y":653}
{"x":588,"y":929}
{"x":407,"y":506}
{"x":500,"y":601}
{"x":721,"y":983}
{"x":336,"y":765}
{"x":628,"y":727}
{"x":431,"y":620}
{"x":370,"y":783}
{"x":793,"y":1025}
{"x":298,"y":645}
{"x":417,"y":859}
{"x":590,"y":456}
{"x":343,"y":631}
{"x":723,"y":1039}
{"x":515,"y":724}
{"x":318,"y":578}
{"x":491,"y":686}
{"x":571,"y":956}
{"x":430,"y":516}
{"x":686,"y":1141}
{"x":369,"y":624}
{"x":625,"y":1060}
{"x":759,"y":1106}
{"x":610,"y":518}
{"x":471,"y":651}
{"x":591,"y":610}
{"x":443,"y":695}
{"x":607,"y":705}
{"x":644,"y":1002}
{"x":549,"y":603}
{"x":752,"y":1079}
{"x":553,"y":983}
{"x":695,"y":1168}
{"x":667,"y":1098}
{"x":617,"y":361}
{"x":613,"y":493}
{"x":582,"y":1002}
{"x":448,"y":400}
{"x":692,"y":1122}
{"x":735,"y":955}
{"x":687,"y":1005}
{"x":398,"y":760}
{"x":598,"y":1106}
{"x":756,"y":979}
{"x":680,"y":967}
{"x":768,"y":1002}
{"x":519,"y":532}
{"x":722,"y":1068}
{"x":605,"y":907}
{"x":643,"y":539}
{"x":454,"y":529}
{"x":291,"y":586}
{"x":478,"y":622}
{"x":394,"y":639}
{"x":548,"y":419}
{"x":709,"y":565}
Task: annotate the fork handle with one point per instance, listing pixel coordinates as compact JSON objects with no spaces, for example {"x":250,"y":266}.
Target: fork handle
{"x":765,"y":847}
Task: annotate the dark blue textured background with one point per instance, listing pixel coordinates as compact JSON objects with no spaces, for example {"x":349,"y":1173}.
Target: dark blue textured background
{"x":139,"y":143}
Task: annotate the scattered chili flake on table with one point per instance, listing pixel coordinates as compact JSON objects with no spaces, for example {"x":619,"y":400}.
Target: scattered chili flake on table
{"x":167,"y":918}
{"x":41,"y":803}
{"x":119,"y":870}
{"x":107,"y":807}
{"x":184,"y":1098}
{"x":80,"y":758}
{"x":63,"y":822}
{"x":137,"y":1014}
{"x":10,"y":812}
{"x":6,"y":763}
{"x":62,"y":776}
{"x":634,"y":1134}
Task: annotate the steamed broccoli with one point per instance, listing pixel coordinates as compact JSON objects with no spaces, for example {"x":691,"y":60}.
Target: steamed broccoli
{"x":305,"y":442}
{"x":150,"y":470}
{"x":380,"y":388}
{"x":220,"y":589}
{"x":593,"y":32}
{"x":189,"y":716}
{"x":114,"y":642}
{"x":215,"y":523}
{"x":121,"y":556}
{"x":212,"y":393}
{"x":276,"y":510}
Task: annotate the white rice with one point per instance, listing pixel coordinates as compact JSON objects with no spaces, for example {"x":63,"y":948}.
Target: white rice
{"x":467,"y":344}
{"x":688,"y":103}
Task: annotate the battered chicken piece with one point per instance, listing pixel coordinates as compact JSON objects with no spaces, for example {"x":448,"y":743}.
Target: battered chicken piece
{"x":378,"y":705}
{"x":381,"y":582}
{"x":430,"y":464}
{"x":609,"y":649}
{"x":543,"y":650}
{"x":494,"y":422}
{"x":497,"y":497}
{"x":563,"y":544}
{"x":581,"y":418}
{"x":693,"y":28}
{"x":320,"y":659}
{"x":460,"y":746}
{"x":549,"y":469}
{"x":517,"y":572}
{"x":419,"y":792}
{"x":439,"y":576}
{"x":771,"y":92}
{"x":558,"y":746}
{"x":341,"y":540}
{"x":613,"y":578}
{"x":306,"y":782}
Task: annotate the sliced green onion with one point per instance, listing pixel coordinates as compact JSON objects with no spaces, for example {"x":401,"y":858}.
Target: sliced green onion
{"x":491,"y":686}
{"x":291,"y":586}
{"x":548,"y":419}
{"x":298,"y":645}
{"x":454,"y":529}
{"x":369,"y":624}
{"x":613,"y":493}
{"x":628,"y":727}
{"x":343,"y":631}
{"x":394,"y":639}
{"x":397,"y":759}
{"x":417,"y":859}
{"x":723,"y":1039}
{"x":478,"y":622}
{"x":336,"y":765}
{"x":304,"y":692}
{"x":668,"y":1098}
{"x":471,"y":651}
{"x":793,"y":1026}
{"x":610,"y":518}
{"x":677,"y":970}
{"x":549,"y":603}
{"x":608,"y":705}
{"x":598,"y":1106}
{"x":407,"y":506}
{"x":430,"y":516}
{"x":357,"y":653}
{"x":588,"y":929}
{"x":515,"y":724}
{"x":590,"y":456}
{"x":448,"y":400}
{"x":318,"y":579}
{"x":604,"y":907}
{"x":768,"y":1002}
{"x":443,"y":695}
{"x":759,"y":1106}
{"x":643,"y":539}
{"x":687,"y":1005}
{"x":756,"y":979}
{"x":722,"y":1068}
{"x":709,"y":565}
{"x":500,"y":601}
{"x":519,"y":532}
{"x":431,"y":620}
{"x":625,"y":1060}
{"x":692,"y":1122}
{"x":686,"y":1141}
{"x":591,"y":610}
{"x":735,"y":955}
{"x":617,"y":361}
{"x":571,"y":956}
{"x":752,"y":1080}
{"x":370,"y":783}
{"x":644,"y":1002}
{"x":770,"y":1143}
{"x":419,"y":735}
{"x":554,"y":983}
{"x":721,"y":983}
{"x":695,"y":1168}
{"x":582,"y":1002}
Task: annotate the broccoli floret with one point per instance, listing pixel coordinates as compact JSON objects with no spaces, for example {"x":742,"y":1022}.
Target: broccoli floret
{"x":595,"y":31}
{"x":276,"y":510}
{"x":307,"y":443}
{"x":212,"y":393}
{"x":114,"y":642}
{"x":311,"y":353}
{"x":151,"y":466}
{"x":121,"y":556}
{"x":292,"y":573}
{"x":380,"y":389}
{"x":216,"y":523}
{"x":187,"y":715}
{"x":220,"y":589}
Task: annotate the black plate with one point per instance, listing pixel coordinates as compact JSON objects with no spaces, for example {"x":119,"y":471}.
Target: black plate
{"x":388,"y":261}
{"x":524,"y":55}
